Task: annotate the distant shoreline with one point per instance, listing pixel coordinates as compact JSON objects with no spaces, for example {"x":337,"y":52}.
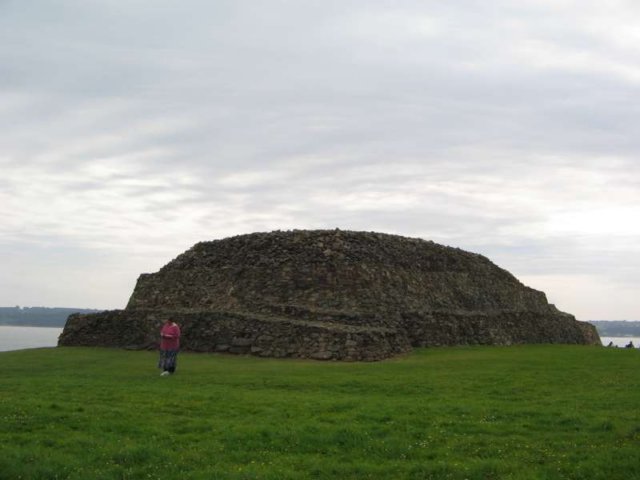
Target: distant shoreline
{"x":55,"y":317}
{"x":33,"y":325}
{"x":617,"y":328}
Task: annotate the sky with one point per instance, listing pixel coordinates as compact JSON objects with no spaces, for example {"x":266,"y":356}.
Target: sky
{"x":131,"y":130}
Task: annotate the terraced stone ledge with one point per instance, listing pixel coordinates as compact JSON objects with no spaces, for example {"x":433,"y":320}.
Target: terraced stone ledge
{"x":330,"y":295}
{"x":232,"y":332}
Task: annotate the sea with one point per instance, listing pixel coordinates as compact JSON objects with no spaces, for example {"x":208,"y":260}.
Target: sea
{"x":19,"y":338}
{"x":621,"y":341}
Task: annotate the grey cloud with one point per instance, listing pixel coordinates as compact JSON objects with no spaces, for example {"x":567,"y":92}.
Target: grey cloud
{"x":473,"y":124}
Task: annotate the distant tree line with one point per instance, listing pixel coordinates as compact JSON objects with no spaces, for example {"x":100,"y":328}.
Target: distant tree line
{"x":622,"y":328}
{"x":38,"y":316}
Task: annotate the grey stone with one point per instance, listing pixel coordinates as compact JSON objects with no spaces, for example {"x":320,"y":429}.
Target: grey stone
{"x":322,"y":355}
{"x":329,"y":294}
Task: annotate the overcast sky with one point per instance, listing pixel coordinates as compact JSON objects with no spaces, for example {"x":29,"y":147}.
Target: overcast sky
{"x":130,"y":130}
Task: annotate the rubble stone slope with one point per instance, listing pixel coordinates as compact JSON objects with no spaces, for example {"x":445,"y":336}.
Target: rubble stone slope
{"x":331,"y":294}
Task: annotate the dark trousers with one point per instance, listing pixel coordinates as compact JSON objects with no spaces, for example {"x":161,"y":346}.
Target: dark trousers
{"x":168,"y":360}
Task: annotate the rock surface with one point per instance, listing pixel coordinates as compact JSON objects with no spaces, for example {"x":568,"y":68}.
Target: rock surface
{"x":329,"y":294}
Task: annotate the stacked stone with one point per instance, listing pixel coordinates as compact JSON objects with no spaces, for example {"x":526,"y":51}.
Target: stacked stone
{"x":330,"y":294}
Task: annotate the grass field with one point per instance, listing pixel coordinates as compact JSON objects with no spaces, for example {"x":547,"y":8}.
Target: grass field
{"x":530,"y":412}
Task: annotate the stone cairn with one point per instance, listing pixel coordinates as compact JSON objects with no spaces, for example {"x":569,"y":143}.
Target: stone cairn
{"x":329,"y":295}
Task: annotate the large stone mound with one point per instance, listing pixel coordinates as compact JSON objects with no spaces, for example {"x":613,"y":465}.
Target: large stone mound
{"x":329,"y":294}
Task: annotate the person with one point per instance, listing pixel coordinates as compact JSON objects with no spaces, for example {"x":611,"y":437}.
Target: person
{"x":169,"y":346}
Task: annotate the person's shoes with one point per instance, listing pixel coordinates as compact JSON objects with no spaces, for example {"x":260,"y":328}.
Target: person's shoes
{"x":164,"y":374}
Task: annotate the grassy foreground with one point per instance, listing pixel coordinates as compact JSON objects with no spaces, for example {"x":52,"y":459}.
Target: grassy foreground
{"x":531,"y":412}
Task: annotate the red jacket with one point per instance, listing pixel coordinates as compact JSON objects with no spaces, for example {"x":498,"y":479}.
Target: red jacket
{"x":170,"y":334}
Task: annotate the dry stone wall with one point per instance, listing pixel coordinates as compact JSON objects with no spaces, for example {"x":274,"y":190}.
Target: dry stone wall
{"x":330,"y":294}
{"x":236,"y":333}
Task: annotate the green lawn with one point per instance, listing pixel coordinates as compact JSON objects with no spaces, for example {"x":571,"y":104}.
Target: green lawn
{"x":530,"y":412}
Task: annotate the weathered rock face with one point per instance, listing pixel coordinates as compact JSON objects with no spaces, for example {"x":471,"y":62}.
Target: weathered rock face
{"x":330,"y":295}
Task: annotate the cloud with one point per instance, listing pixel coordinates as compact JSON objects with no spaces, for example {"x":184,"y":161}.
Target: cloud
{"x":129,"y":133}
